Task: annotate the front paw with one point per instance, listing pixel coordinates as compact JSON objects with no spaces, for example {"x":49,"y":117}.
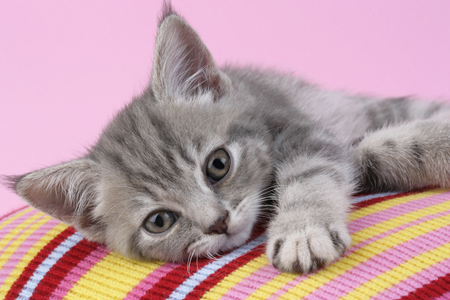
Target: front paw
{"x":307,"y":249}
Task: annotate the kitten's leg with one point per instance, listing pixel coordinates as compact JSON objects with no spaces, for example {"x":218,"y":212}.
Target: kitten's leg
{"x":405,"y":156}
{"x":313,"y":189}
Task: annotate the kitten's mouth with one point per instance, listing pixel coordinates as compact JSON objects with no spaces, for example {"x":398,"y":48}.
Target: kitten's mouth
{"x":211,"y":245}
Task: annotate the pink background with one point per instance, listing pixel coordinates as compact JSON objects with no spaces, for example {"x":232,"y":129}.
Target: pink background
{"x":67,"y":66}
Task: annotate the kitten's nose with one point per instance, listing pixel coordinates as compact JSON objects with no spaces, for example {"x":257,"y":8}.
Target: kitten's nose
{"x":220,"y":226}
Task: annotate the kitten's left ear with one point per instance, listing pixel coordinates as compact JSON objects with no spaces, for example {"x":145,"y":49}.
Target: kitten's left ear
{"x":67,"y":192}
{"x":183,"y":65}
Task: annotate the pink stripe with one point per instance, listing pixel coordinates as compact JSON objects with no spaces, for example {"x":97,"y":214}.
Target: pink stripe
{"x":7,"y":229}
{"x":287,"y":287}
{"x":383,"y":262}
{"x":395,"y":211}
{"x":12,"y":213}
{"x":251,"y":283}
{"x":149,"y":281}
{"x":445,"y":296}
{"x":15,"y":223}
{"x":417,"y":280}
{"x":75,"y":274}
{"x":15,"y":258}
{"x":354,"y":227}
{"x":247,"y":284}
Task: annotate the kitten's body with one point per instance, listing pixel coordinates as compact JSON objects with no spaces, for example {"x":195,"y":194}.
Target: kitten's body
{"x":317,"y":147}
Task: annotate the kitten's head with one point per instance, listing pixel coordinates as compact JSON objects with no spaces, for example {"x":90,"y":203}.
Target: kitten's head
{"x":179,"y":171}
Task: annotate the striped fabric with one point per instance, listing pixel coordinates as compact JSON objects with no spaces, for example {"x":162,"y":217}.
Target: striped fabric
{"x":400,"y":250}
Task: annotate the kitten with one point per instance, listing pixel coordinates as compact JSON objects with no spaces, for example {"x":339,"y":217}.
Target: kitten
{"x":183,"y":169}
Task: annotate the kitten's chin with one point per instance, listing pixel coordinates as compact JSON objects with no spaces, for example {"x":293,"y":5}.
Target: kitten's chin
{"x":215,"y":244}
{"x":237,"y":239}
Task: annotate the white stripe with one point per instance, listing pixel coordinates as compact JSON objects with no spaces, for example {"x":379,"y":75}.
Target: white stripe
{"x":188,"y":285}
{"x":368,"y":197}
{"x":45,"y":266}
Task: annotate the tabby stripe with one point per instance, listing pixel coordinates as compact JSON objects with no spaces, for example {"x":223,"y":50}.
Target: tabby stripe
{"x":36,"y":261}
{"x":223,"y":272}
{"x":61,"y":268}
{"x":47,"y":264}
{"x":183,"y":290}
{"x":419,"y":279}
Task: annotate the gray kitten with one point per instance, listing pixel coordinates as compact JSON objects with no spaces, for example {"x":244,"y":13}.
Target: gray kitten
{"x":183,"y":170}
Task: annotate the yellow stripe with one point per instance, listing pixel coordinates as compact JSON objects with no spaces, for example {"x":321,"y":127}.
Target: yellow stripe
{"x":236,"y":277}
{"x":17,"y":239}
{"x":32,"y":252}
{"x":111,"y":278}
{"x":10,"y":219}
{"x":348,"y":262}
{"x":398,"y":221}
{"x":365,"y":211}
{"x":402,"y":272}
{"x":272,"y":286}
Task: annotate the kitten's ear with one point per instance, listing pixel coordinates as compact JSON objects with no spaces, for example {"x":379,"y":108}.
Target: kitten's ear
{"x":183,"y":65}
{"x":66,"y":192}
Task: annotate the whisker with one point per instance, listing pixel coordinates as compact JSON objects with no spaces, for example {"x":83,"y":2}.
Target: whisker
{"x":189,"y":262}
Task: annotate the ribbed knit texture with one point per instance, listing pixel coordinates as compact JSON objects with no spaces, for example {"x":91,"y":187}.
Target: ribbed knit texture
{"x":400,"y":250}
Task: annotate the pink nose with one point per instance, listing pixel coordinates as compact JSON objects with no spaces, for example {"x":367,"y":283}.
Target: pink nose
{"x":220,"y":227}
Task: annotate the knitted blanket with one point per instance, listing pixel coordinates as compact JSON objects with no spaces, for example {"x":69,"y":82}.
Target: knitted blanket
{"x":400,"y":250}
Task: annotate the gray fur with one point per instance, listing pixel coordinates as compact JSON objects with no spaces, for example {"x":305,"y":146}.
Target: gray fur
{"x":312,"y":147}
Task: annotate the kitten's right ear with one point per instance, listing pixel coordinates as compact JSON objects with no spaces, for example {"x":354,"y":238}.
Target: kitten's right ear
{"x":66,"y":192}
{"x":183,"y":66}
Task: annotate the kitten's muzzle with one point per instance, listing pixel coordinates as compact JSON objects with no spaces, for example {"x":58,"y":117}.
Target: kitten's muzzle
{"x":220,"y":226}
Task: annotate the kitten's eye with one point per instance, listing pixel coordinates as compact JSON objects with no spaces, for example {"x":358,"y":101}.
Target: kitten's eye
{"x":218,"y":165}
{"x":160,"y":221}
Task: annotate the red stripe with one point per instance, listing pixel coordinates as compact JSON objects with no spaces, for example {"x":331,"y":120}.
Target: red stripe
{"x":62,"y":267}
{"x":373,"y":201}
{"x":2,"y":218}
{"x":167,"y":284}
{"x":18,"y":285}
{"x":431,"y":290}
{"x":212,"y":280}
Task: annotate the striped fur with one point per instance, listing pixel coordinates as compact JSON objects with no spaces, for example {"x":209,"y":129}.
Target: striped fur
{"x":312,"y":148}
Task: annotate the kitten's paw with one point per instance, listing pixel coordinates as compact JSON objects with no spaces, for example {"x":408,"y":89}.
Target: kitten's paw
{"x":306,"y":250}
